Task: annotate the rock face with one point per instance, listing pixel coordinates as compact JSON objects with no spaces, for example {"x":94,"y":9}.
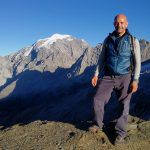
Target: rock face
{"x":145,"y":49}
{"x":53,"y":72}
{"x":48,"y":62}
{"x":58,"y":51}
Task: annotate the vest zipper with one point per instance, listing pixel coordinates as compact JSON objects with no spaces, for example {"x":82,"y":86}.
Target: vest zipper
{"x":117,"y":55}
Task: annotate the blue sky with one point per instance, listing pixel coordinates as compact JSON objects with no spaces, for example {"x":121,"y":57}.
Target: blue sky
{"x":23,"y":22}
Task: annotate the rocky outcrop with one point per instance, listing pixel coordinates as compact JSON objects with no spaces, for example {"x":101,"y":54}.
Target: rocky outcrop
{"x":65,"y":136}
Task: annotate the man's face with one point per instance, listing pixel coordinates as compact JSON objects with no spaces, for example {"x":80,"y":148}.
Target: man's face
{"x":120,"y":24}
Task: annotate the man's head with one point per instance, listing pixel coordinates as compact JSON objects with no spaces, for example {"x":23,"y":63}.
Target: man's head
{"x":120,"y":23}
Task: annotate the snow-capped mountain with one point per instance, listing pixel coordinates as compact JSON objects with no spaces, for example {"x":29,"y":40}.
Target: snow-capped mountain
{"x":47,"y":42}
{"x":55,"y":60}
{"x":46,"y":55}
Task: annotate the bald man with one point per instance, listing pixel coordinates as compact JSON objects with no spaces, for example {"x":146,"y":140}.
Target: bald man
{"x":116,"y":72}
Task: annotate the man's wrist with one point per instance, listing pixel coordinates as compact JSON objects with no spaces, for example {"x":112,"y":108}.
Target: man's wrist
{"x":95,"y":76}
{"x":136,"y":80}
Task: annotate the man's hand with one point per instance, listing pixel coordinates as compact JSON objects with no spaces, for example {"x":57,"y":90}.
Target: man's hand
{"x":94,"y":80}
{"x":133,"y":86}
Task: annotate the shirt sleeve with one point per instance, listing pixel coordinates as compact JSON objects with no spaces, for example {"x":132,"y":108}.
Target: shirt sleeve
{"x":137,"y":60}
{"x":101,"y":60}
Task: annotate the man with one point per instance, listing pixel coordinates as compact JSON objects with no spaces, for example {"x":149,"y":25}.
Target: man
{"x":115,"y":63}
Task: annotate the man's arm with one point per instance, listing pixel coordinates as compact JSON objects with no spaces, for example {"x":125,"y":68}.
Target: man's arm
{"x":137,"y":60}
{"x":137,"y":66}
{"x":100,"y":63}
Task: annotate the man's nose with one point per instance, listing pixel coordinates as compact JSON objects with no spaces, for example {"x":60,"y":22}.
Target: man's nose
{"x":119,"y":24}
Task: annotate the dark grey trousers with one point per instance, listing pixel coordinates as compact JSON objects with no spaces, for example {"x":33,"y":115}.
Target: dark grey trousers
{"x":105,"y":87}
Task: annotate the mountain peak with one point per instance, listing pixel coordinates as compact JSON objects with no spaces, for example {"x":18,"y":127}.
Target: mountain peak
{"x":54,"y":38}
{"x":57,"y":36}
